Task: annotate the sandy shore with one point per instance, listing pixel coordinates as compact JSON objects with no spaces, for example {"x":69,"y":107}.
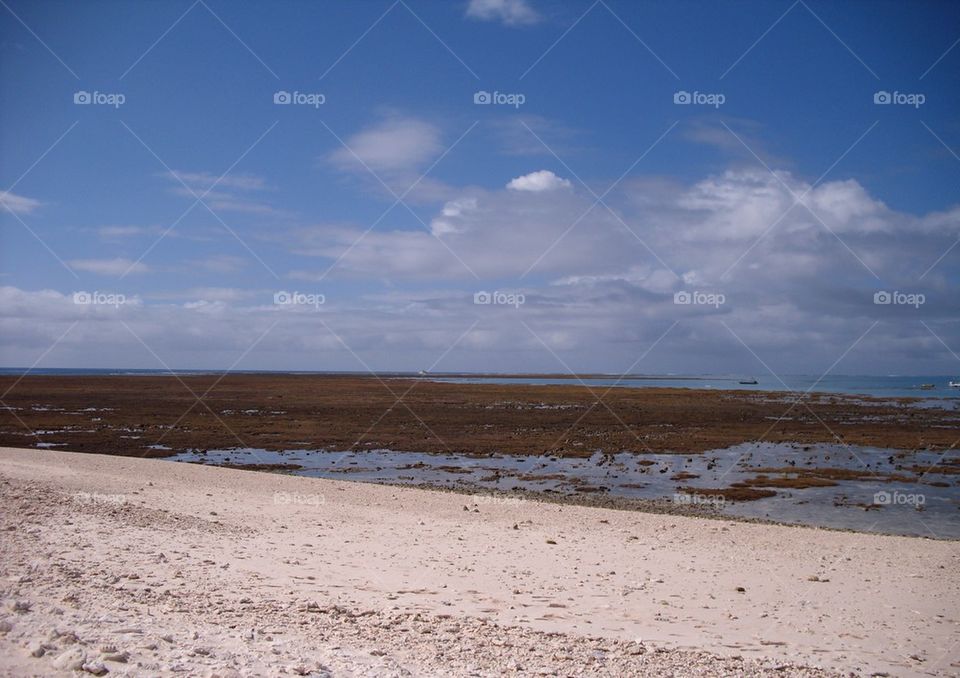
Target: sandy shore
{"x":149,"y":567}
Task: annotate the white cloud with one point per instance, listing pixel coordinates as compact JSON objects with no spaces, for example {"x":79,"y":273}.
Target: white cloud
{"x":117,"y":232}
{"x":739,"y":228}
{"x":225,"y":203}
{"x":452,"y":210}
{"x":602,"y":325}
{"x":512,"y":135}
{"x":113,"y":267}
{"x":222,"y":263}
{"x":510,"y":12}
{"x":223,"y":194}
{"x":120,"y":231}
{"x":394,"y":145}
{"x":203,"y":181}
{"x":216,"y":294}
{"x":645,"y":277}
{"x":18,"y":203}
{"x":543,"y":180}
{"x":795,"y":293}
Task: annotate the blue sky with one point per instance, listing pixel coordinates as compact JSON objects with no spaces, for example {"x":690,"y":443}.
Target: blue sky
{"x":788,"y":194}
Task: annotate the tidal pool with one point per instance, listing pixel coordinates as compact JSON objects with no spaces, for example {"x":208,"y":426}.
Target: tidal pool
{"x":861,"y":488}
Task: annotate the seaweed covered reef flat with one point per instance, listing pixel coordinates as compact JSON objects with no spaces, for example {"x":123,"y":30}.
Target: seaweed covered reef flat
{"x":161,"y":416}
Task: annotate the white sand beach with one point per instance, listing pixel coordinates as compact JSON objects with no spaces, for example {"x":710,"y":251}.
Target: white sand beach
{"x":123,"y":566}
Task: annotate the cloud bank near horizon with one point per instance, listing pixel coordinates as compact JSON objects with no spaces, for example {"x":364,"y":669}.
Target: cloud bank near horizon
{"x":787,"y":274}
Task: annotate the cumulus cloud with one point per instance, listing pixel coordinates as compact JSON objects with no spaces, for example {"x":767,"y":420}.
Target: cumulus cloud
{"x":742,"y":231}
{"x":454,"y":209}
{"x":18,"y":204}
{"x":797,"y":275}
{"x":510,"y":12}
{"x":601,"y":324}
{"x":543,"y":180}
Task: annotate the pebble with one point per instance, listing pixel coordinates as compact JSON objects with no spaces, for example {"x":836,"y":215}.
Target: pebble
{"x":70,"y":660}
{"x":95,"y":667}
{"x":120,"y":657}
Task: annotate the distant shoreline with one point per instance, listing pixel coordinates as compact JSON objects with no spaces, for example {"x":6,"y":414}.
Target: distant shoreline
{"x":69,"y":371}
{"x":932,"y":390}
{"x":134,"y":371}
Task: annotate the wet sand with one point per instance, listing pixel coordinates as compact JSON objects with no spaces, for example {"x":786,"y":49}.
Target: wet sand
{"x":211,"y":571}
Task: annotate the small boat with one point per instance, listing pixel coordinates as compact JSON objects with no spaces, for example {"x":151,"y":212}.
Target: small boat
{"x":955,"y":384}
{"x":927,"y":387}
{"x":749,"y":381}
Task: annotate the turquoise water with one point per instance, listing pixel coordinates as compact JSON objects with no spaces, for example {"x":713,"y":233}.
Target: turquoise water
{"x":882,"y":387}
